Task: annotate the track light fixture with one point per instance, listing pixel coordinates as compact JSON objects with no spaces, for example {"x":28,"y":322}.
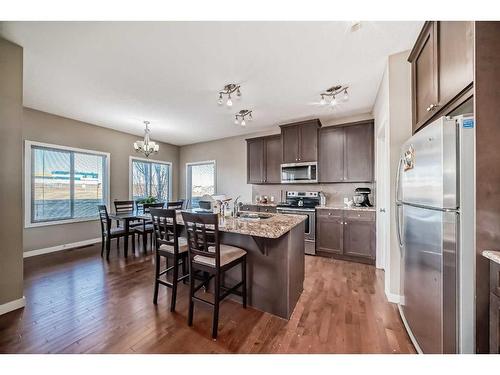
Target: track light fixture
{"x":331,"y":95}
{"x":229,"y":89}
{"x":239,"y":117}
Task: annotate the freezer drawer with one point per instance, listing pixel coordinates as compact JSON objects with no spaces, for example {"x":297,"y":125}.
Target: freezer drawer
{"x":429,"y":282}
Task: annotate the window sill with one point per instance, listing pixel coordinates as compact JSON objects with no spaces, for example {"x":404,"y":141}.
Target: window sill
{"x":59,"y":222}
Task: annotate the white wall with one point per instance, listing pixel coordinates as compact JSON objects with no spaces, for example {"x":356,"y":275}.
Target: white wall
{"x":393,"y":103}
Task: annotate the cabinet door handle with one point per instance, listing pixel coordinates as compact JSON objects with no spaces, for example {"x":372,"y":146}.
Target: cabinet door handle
{"x":432,"y":107}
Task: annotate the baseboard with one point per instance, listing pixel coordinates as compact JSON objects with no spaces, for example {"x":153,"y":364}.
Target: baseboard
{"x":12,"y":305}
{"x":393,"y":297}
{"x":66,"y":246}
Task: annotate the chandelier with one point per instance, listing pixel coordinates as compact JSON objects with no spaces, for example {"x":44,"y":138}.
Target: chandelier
{"x":229,"y":89}
{"x":147,"y":147}
{"x":241,"y":115}
{"x":331,"y":95}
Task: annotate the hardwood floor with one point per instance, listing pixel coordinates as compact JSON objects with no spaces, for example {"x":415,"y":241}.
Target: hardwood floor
{"x":78,"y":303}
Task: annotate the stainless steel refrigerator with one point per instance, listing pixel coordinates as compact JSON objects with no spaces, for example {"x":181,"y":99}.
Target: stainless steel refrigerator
{"x":435,"y":194}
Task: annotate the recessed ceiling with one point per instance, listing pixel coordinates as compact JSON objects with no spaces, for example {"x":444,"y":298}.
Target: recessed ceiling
{"x":117,"y":74}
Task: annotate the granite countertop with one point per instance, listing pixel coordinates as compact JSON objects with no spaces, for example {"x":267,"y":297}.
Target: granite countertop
{"x":494,"y":256}
{"x":344,"y":207}
{"x":275,"y":226}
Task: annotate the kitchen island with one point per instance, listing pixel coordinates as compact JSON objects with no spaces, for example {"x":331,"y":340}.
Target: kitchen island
{"x":275,"y":259}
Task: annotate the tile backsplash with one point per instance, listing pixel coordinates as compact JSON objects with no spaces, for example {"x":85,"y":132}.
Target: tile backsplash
{"x":334,"y":193}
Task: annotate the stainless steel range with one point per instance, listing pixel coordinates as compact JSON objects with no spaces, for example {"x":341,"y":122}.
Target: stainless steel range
{"x":303,"y":203}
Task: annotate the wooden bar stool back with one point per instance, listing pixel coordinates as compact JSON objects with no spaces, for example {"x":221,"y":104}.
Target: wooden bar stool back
{"x":208,"y":255}
{"x":175,"y":205}
{"x":168,"y":245}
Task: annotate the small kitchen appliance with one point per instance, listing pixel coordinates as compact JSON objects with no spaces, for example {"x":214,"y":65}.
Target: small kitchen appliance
{"x":360,"y":197}
{"x":303,"y":203}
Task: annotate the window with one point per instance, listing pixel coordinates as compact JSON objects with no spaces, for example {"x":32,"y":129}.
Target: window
{"x":150,"y":178}
{"x":200,"y":180}
{"x":63,"y":184}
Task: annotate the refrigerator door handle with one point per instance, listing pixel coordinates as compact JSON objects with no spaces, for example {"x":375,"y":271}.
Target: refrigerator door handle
{"x":398,"y":227}
{"x":398,"y":176}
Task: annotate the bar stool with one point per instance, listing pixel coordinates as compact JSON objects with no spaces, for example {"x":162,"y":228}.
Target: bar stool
{"x":208,"y":255}
{"x":169,"y":245}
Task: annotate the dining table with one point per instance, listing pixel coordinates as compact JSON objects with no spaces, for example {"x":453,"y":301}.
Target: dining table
{"x":128,"y":217}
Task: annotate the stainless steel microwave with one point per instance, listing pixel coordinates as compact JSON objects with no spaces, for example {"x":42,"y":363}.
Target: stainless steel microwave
{"x":299,"y":173}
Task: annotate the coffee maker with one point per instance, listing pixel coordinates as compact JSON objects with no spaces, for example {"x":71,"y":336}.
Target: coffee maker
{"x":361,"y":197}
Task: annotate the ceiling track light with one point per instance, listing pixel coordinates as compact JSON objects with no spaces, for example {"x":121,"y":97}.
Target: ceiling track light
{"x":241,"y":116}
{"x":230,"y":88}
{"x":329,"y":96}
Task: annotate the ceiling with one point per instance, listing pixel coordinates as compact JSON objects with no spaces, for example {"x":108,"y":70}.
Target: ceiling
{"x":117,"y":74}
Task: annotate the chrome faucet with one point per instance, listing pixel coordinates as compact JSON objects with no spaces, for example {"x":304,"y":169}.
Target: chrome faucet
{"x":236,"y":206}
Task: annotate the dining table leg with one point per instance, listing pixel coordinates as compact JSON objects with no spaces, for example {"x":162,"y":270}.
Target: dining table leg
{"x":125,"y":239}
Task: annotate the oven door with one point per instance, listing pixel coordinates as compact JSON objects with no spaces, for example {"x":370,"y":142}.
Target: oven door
{"x":309,"y":227}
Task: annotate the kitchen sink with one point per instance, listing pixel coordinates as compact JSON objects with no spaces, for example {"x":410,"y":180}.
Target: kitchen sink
{"x":253,"y":215}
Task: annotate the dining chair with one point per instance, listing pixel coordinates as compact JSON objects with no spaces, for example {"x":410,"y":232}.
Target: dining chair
{"x":146,"y":228}
{"x":207,"y":254}
{"x":178,"y":205}
{"x":123,"y":207}
{"x":108,"y":233}
{"x":168,"y":245}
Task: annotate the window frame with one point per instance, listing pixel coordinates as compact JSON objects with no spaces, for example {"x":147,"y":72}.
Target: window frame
{"x":28,"y":183}
{"x":131,"y":174}
{"x":188,"y":188}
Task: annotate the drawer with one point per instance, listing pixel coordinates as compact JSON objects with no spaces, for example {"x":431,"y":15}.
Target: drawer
{"x":360,"y":215}
{"x":267,"y":209}
{"x":329,"y":213}
{"x":495,"y":278}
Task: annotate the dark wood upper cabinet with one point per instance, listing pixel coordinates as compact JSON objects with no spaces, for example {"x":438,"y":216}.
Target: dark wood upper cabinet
{"x":442,"y":67}
{"x":424,"y":61}
{"x":290,"y":144}
{"x":272,"y":159}
{"x":346,"y":153}
{"x":358,"y":151}
{"x":264,"y":160}
{"x":255,"y":161}
{"x":331,"y":154}
{"x":300,"y":141}
{"x":308,"y":142}
{"x":455,"y":58}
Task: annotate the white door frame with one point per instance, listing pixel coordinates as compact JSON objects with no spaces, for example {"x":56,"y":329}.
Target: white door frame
{"x":382,"y":178}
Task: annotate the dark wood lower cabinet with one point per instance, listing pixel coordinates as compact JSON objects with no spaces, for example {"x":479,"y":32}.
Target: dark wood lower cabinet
{"x":359,"y":235}
{"x":494,"y":324}
{"x":330,"y":231}
{"x":346,"y":234}
{"x":494,"y":308}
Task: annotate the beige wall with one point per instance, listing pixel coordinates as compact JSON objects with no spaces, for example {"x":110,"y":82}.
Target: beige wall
{"x":47,"y":128}
{"x":230,"y":156}
{"x":11,"y":244}
{"x":393,"y":104}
